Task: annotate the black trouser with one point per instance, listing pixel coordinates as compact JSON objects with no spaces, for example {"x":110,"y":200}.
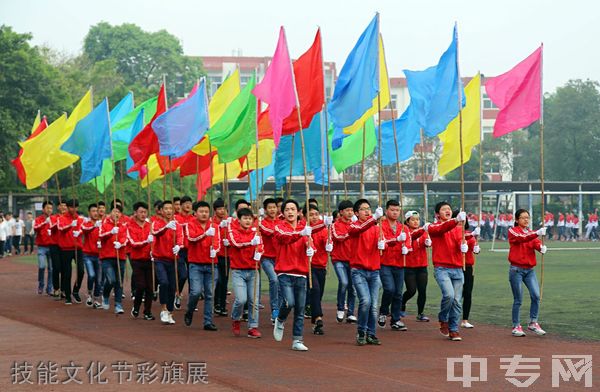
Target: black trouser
{"x":2,"y":248}
{"x":316,"y":292}
{"x":16,"y":242}
{"x":182,"y":269}
{"x":221,"y":289}
{"x":28,"y":240}
{"x":415,"y":280}
{"x":142,"y":275}
{"x":66,"y":256}
{"x":468,"y":291}
{"x":56,"y":264}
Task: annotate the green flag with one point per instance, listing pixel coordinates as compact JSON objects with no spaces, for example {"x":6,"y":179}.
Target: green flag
{"x":235,"y":132}
{"x":350,"y":153}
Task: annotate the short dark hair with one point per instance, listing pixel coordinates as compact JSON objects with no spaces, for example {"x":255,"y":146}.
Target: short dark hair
{"x":279,"y":199}
{"x":165,"y":202}
{"x":286,"y":202}
{"x":518,"y":214}
{"x":312,"y":207}
{"x":240,"y":201}
{"x":140,"y":204}
{"x":313,"y":201}
{"x":101,"y":203}
{"x":177,"y":199}
{"x":345,"y":204}
{"x":118,"y":207}
{"x":268,"y":201}
{"x":199,"y":204}
{"x":439,"y":206}
{"x":360,"y":202}
{"x":244,"y":212}
{"x":158,"y":204}
{"x":93,"y":205}
{"x":186,"y":199}
{"x":118,"y":201}
{"x":73,"y":203}
{"x":219,"y":203}
{"x":392,"y":203}
{"x":47,"y":202}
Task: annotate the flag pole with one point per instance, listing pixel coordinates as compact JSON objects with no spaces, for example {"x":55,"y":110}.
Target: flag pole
{"x":362,"y":164}
{"x":380,"y":168}
{"x":460,"y":142}
{"x":210,"y":173}
{"x":155,"y":292}
{"x":425,"y":207}
{"x":177,"y":293}
{"x":543,"y":211}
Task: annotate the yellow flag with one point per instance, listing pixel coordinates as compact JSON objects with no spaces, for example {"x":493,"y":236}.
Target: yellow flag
{"x":471,"y":130}
{"x":265,"y":154}
{"x":36,"y":122}
{"x":42,"y":156}
{"x":233,"y":170}
{"x":384,"y":94}
{"x":154,"y":171}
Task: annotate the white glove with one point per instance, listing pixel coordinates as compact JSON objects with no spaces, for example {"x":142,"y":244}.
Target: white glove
{"x":86,"y":219}
{"x":225,"y":242}
{"x":428,"y":242}
{"x":114,"y":230}
{"x":543,"y":249}
{"x":74,"y":223}
{"x":426,"y":227}
{"x":257,"y":256}
{"x":404,"y":250}
{"x":172,"y":225}
{"x":476,"y":232}
{"x":329,"y":247}
{"x":476,"y":249}
{"x":176,"y":249}
{"x":48,"y":220}
{"x":213,"y":253}
{"x":76,"y":233}
{"x":307,"y":231}
{"x":354,"y":218}
{"x":261,"y":212}
{"x":401,"y":237}
{"x":310,"y":252}
{"x":117,"y":245}
{"x":328,"y":220}
{"x":150,"y":239}
{"x":98,"y":244}
{"x":210,"y":232}
{"x":49,"y":232}
{"x":381,"y":244}
{"x":223,"y":223}
{"x":378,"y":213}
{"x":255,"y":241}
{"x":98,"y":223}
{"x":464,"y":248}
{"x":541,"y":232}
{"x":461,"y":217}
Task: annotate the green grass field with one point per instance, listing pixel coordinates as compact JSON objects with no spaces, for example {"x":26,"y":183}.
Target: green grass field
{"x":570,"y":296}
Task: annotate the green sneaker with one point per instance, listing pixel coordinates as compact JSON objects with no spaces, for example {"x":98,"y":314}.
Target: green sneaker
{"x":361,"y":338}
{"x":372,"y":339}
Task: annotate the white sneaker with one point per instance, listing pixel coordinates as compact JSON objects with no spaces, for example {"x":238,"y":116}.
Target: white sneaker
{"x":171,"y":320}
{"x":466,"y":324}
{"x":164,"y":317}
{"x":518,"y":331}
{"x":339,"y":316}
{"x":535,"y":327}
{"x":278,"y":330}
{"x":351,"y":319}
{"x":381,"y":320}
{"x":298,"y":345}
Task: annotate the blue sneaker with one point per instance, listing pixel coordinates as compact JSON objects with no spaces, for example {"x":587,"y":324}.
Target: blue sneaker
{"x":105,"y":303}
{"x":118,"y":309}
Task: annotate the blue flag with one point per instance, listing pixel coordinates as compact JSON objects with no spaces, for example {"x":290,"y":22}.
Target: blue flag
{"x":124,"y":107}
{"x":263,"y":175}
{"x":91,"y":141}
{"x":407,"y":135}
{"x":358,"y":82}
{"x":136,"y":128}
{"x":181,"y":127}
{"x":434,"y":91}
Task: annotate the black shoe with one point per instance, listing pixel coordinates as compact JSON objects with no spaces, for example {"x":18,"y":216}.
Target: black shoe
{"x":372,"y":339}
{"x":318,"y":328}
{"x":361,"y":338}
{"x":177,"y":303}
{"x":76,"y":297}
{"x":307,"y":312}
{"x":224,"y":312}
{"x":210,"y":327}
{"x":187,"y":318}
{"x":149,"y":317}
{"x":135,"y":313}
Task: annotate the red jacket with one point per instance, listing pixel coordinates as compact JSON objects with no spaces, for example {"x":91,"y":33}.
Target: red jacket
{"x":66,"y":241}
{"x":291,"y":249}
{"x":241,"y":252}
{"x":363,"y":239}
{"x":183,"y":220}
{"x":107,"y":247}
{"x":90,"y":241}
{"x":267,"y":232}
{"x":392,"y":254}
{"x":446,"y":238}
{"x":523,"y":244}
{"x":418,"y":257}
{"x":137,"y":240}
{"x":223,"y":235}
{"x":165,"y":239}
{"x":319,"y":240}
{"x":342,"y":247}
{"x":199,"y":244}
{"x":41,"y":227}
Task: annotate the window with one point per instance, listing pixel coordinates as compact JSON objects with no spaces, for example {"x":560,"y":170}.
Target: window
{"x":244,"y":80}
{"x":394,"y":102}
{"x":487,"y":102}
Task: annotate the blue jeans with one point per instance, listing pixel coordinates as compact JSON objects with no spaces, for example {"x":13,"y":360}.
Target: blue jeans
{"x":44,"y":262}
{"x":451,"y":282}
{"x":293,"y":296}
{"x":392,"y":279}
{"x":243,"y":289}
{"x":92,"y":267}
{"x":268,"y":265}
{"x":342,"y":270}
{"x":165,"y":274}
{"x":367,"y":285}
{"x":109,"y":271}
{"x":202,"y":278}
{"x":516,"y":276}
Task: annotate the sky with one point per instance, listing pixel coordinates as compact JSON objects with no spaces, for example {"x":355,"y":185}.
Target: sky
{"x":493,"y":35}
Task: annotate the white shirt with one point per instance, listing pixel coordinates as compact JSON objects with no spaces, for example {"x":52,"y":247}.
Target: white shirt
{"x":18,"y":227}
{"x":3,"y":230}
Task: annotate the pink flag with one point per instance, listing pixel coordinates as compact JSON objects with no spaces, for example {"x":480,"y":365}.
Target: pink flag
{"x":277,"y":87}
{"x":518,"y":94}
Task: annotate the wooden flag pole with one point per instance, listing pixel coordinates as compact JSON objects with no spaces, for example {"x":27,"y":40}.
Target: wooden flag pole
{"x":177,"y":293}
{"x":462,"y":160}
{"x":154,"y":288}
{"x":543,"y":211}
{"x":425,"y":207}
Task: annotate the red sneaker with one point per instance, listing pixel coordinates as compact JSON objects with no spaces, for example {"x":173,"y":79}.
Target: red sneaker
{"x":254,"y":333}
{"x":444,"y":328}
{"x":235,"y":328}
{"x":455,"y":337}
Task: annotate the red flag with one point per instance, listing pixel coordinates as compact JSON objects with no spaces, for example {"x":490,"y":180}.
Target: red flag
{"x":17,"y":161}
{"x":146,"y":143}
{"x":308,"y":72}
{"x":518,"y":94}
